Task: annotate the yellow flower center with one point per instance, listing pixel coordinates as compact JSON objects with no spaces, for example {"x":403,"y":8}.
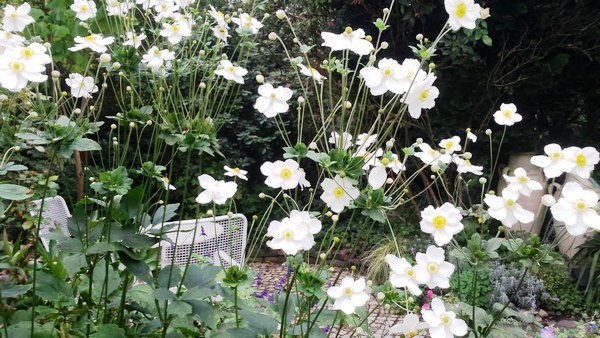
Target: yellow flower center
{"x":175,"y":28}
{"x":439,"y":222}
{"x":231,"y":70}
{"x":556,"y":155}
{"x":348,"y":291}
{"x":90,"y":38}
{"x":222,"y":30}
{"x":445,"y":319}
{"x":461,"y":10}
{"x":581,"y":205}
{"x":14,"y":15}
{"x":338,"y":192}
{"x":522,"y":179}
{"x":27,"y":52}
{"x":288,"y":234}
{"x":510,"y":203}
{"x":385,"y":161}
{"x":388,"y":72}
{"x":236,"y":170}
{"x":286,"y":173}
{"x":507,"y":113}
{"x":348,"y":30}
{"x":410,"y":272}
{"x":449,"y":145}
{"x":83,"y":8}
{"x":424,"y":95}
{"x":581,"y":160}
{"x":16,"y":65}
{"x":411,"y":334}
{"x":432,"y":267}
{"x":273,"y":95}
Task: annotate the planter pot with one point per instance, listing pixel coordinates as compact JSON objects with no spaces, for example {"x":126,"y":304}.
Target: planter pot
{"x":568,"y":245}
{"x":534,"y":201}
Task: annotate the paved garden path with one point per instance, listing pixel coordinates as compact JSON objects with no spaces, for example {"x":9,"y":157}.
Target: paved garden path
{"x":380,"y":320}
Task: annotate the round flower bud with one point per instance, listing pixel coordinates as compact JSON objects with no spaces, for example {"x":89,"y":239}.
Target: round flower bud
{"x":492,"y":192}
{"x":104,"y":58}
{"x":419,"y":37}
{"x":369,"y":283}
{"x":548,"y":200}
{"x":128,"y":88}
{"x":488,"y":132}
{"x":380,"y":296}
{"x":149,"y":122}
{"x":296,"y":41}
{"x":467,"y":155}
{"x":323,"y":256}
{"x":347,"y":104}
{"x":387,"y":306}
{"x":209,"y":213}
{"x":33,"y":114}
{"x":328,"y":214}
{"x":17,"y":148}
{"x":435,"y":168}
{"x":301,"y":99}
{"x":369,"y":38}
{"x":63,"y":93}
{"x":131,"y":124}
{"x":55,"y":74}
{"x":272,"y":36}
{"x":114,"y":138}
{"x":353,"y":268}
{"x":419,"y":140}
{"x":266,"y":16}
{"x":432,"y":177}
{"x":121,"y":74}
{"x":92,"y":108}
{"x":280,"y":14}
{"x":116,"y":66}
{"x":389,"y":180}
{"x":262,"y":195}
{"x":384,"y":45}
{"x":92,"y":179}
{"x":386,"y":10}
{"x":76,"y":111}
{"x":336,"y":239}
{"x":104,"y":85}
{"x":230,"y":214}
{"x":500,"y":228}
{"x":113,"y":126}
{"x":335,"y":218}
{"x":260,"y":78}
{"x":482,"y":180}
{"x":312,"y":145}
{"x":115,"y":143}
{"x":442,"y":151}
{"x":286,"y":195}
{"x":202,"y":85}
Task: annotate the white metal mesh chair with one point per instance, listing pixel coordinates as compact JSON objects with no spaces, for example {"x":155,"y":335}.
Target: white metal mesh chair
{"x":219,"y":240}
{"x":54,"y":216}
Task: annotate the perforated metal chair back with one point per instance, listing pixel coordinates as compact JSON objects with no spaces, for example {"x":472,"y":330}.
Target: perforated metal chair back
{"x":217,"y":240}
{"x":54,"y":216}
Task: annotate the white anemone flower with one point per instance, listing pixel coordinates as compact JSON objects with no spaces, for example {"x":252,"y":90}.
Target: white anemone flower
{"x":95,"y":42}
{"x":451,"y":144}
{"x":432,"y":268}
{"x":349,"y":295}
{"x":344,"y":141}
{"x":16,"y":19}
{"x":584,"y":159}
{"x":575,"y":208}
{"x":81,"y":86}
{"x":442,"y":223}
{"x":554,"y":163}
{"x":167,"y":184}
{"x":354,"y":40}
{"x":133,"y":39}
{"x":293,"y":233}
{"x":215,"y":191}
{"x":442,"y":323}
{"x":421,"y":95}
{"x":285,"y":175}
{"x":165,"y":9}
{"x":247,"y":23}
{"x":117,"y":8}
{"x":410,"y":327}
{"x":272,"y":101}
{"x":403,"y":274}
{"x":395,"y":164}
{"x":431,"y":156}
{"x":465,"y":166}
{"x":15,"y":73}
{"x":338,"y":193}
{"x":236,"y":172}
{"x":221,"y":33}
{"x":9,"y":40}
{"x":506,"y":209}
{"x":471,"y":136}
{"x":218,"y":16}
{"x":84,"y":9}
{"x":176,"y":31}
{"x":521,"y":182}
{"x":34,"y":52}
{"x":387,"y":76}
{"x":155,"y":58}
{"x":364,"y":141}
{"x":311,"y":72}
{"x":507,"y":115}
{"x":463,"y":13}
{"x":411,"y":74}
{"x":230,"y":72}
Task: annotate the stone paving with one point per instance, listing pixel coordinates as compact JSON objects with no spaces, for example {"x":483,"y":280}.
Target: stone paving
{"x":380,"y":320}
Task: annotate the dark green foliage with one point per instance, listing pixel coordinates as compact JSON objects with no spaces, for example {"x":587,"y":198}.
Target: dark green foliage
{"x":461,"y":284}
{"x":567,"y":299}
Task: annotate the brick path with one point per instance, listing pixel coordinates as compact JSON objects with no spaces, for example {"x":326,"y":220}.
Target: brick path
{"x":380,"y":320}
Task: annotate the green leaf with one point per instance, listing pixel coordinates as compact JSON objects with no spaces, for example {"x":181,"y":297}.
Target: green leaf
{"x":12,"y":291}
{"x":205,"y":310}
{"x":53,"y":289}
{"x":164,"y":294}
{"x":169,"y":276}
{"x":234,"y":332}
{"x":487,"y":40}
{"x":85,"y":144}
{"x":164,"y":213}
{"x":99,"y":248}
{"x":180,"y":308}
{"x":13,"y":192}
{"x":142,"y":294}
{"x":263,"y":325}
{"x":108,"y":331}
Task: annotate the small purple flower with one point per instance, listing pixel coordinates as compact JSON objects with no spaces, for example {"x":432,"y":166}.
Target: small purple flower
{"x":591,"y":328}
{"x":259,"y":279}
{"x":547,"y":332}
{"x":202,"y":231}
{"x":327,"y":329}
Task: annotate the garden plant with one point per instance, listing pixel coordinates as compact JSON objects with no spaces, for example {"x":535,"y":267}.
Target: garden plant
{"x":118,"y":106}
